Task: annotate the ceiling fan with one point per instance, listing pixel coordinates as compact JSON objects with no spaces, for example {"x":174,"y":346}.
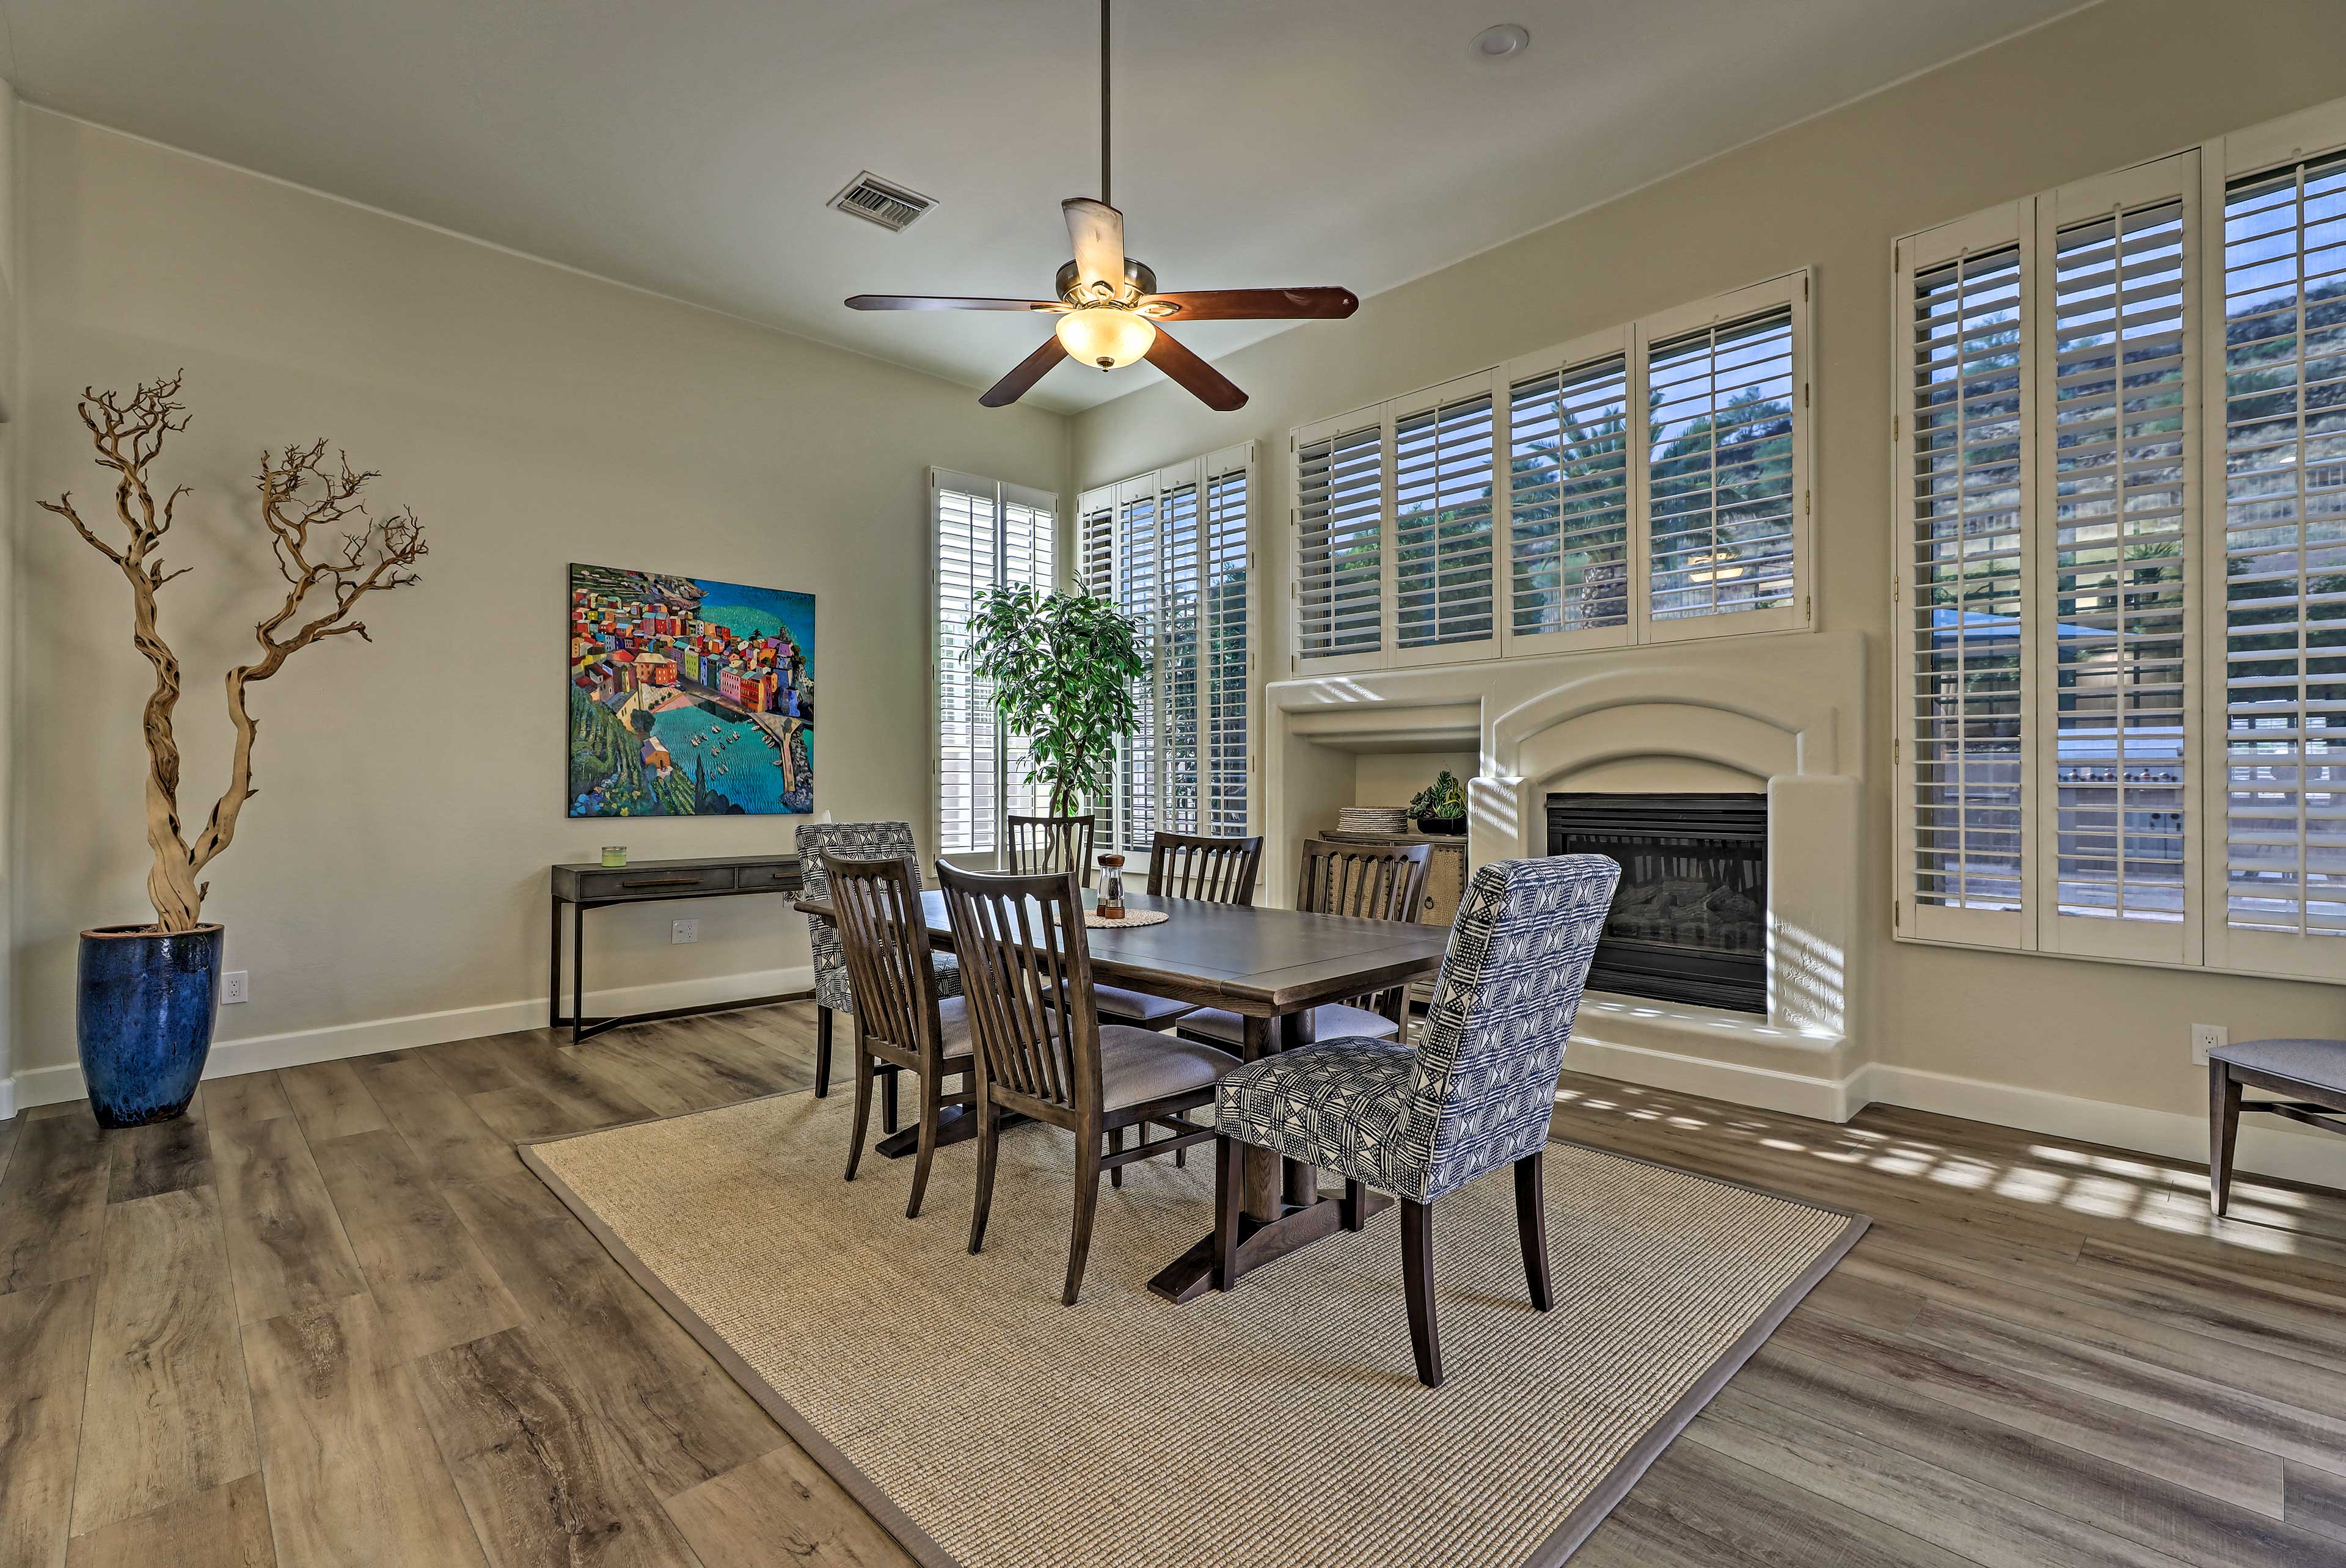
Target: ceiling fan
{"x":1110,"y":313}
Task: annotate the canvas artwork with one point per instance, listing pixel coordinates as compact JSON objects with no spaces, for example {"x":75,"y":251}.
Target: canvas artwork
{"x":689,"y":698}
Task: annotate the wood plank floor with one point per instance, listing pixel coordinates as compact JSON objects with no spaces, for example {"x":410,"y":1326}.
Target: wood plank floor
{"x":330,"y":1320}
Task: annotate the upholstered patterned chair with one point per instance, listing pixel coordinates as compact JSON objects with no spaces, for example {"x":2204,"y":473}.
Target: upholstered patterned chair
{"x":1475,"y":1094}
{"x":833,"y":993}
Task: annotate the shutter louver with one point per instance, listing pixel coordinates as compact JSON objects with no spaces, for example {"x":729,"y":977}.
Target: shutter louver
{"x":2284,"y":680}
{"x":1340,"y":538}
{"x":1968,"y":619}
{"x":1227,"y":582}
{"x":1568,"y":460}
{"x":1721,"y":413}
{"x":2119,"y":424}
{"x":1138,"y":591}
{"x":969,"y":755}
{"x":1178,"y":653}
{"x":1443,"y":480}
{"x":1097,"y":547}
{"x":1029,"y":552}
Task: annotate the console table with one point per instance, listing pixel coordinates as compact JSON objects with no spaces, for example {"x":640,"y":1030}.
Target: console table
{"x":593,"y":886}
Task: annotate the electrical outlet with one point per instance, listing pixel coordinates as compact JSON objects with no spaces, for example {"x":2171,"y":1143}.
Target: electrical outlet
{"x":233,"y":988}
{"x":684,"y":930}
{"x":2206,"y":1037}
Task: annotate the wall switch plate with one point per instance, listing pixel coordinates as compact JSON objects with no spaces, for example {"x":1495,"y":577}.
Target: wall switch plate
{"x":684,"y":930}
{"x":232,"y":987}
{"x":2206,"y":1037}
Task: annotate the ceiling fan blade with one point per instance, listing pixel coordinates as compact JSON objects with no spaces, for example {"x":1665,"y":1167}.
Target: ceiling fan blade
{"x":1031,"y":369}
{"x":1255,"y":304}
{"x":946,"y":302}
{"x":1209,"y":385}
{"x":1097,"y":231}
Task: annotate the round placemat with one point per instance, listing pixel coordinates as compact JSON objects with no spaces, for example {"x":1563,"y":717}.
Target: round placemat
{"x":1136,"y":917}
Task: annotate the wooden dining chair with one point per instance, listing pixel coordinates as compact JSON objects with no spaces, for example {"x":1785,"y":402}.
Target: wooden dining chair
{"x":1475,"y":1094}
{"x":1366,"y":882}
{"x":900,"y":1019}
{"x":1219,"y":871}
{"x":1042,"y":1052}
{"x":1044,"y":846}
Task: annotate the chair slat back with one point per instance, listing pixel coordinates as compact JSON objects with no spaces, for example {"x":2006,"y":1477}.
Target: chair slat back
{"x":886,"y":938}
{"x":1046,"y":845}
{"x":1026,"y":974}
{"x":1367,"y":881}
{"x":1219,"y":871}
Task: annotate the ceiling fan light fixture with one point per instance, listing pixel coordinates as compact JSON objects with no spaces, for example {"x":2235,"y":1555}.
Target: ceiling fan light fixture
{"x":1106,"y":336}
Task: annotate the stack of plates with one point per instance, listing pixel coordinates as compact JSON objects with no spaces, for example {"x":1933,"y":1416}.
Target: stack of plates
{"x":1373,"y":818}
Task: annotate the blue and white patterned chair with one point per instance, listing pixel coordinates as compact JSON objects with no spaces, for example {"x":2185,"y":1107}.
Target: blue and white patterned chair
{"x":834,"y":993}
{"x":1475,"y":1094}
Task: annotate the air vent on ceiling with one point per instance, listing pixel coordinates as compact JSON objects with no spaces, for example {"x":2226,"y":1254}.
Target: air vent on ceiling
{"x":881,"y":201}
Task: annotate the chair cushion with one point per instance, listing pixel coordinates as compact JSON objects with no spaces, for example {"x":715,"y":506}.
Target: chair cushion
{"x":1137,"y":1006}
{"x":1140,"y":1064}
{"x":2319,"y":1062}
{"x":1335,"y":1021}
{"x":1340,"y":1107}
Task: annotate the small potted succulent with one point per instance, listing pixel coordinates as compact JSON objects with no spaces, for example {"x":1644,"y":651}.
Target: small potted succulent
{"x":1441,"y":806}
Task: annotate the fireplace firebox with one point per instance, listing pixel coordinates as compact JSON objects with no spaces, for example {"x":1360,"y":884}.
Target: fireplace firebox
{"x":1689,"y":921}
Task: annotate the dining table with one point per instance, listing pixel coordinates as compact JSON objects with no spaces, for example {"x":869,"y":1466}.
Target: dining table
{"x":1271,"y":967}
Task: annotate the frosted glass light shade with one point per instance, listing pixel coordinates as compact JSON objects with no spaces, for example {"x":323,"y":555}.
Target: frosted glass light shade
{"x":1105,"y":338}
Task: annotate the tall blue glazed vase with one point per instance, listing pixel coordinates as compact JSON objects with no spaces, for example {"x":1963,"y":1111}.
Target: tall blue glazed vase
{"x":148,"y":999}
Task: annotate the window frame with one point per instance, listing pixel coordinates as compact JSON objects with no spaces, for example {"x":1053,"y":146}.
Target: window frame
{"x":1003,"y":497}
{"x":2200,"y":178}
{"x":1792,"y":292}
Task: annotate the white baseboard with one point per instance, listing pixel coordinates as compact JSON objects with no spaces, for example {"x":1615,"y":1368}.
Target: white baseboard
{"x":1767,"y":1088}
{"x":261,"y":1053}
{"x":2316,"y":1158}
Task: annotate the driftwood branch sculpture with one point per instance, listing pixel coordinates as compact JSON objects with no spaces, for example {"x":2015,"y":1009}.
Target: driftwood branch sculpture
{"x":330,"y":553}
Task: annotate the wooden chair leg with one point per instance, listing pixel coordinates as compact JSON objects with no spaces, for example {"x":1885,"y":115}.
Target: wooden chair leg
{"x":1228,"y":1157}
{"x":1354,"y":1213}
{"x":1417,"y":1284}
{"x":1116,"y":1147}
{"x":888,"y":1098}
{"x":862,"y":1108}
{"x":1079,"y":1244}
{"x":989,"y":1138}
{"x":822,"y":1052}
{"x":1531,"y":1223}
{"x":932,"y":1093}
{"x":2223,"y":1131}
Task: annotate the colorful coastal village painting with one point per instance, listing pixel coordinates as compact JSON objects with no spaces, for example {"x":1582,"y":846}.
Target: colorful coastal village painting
{"x":689,"y":698}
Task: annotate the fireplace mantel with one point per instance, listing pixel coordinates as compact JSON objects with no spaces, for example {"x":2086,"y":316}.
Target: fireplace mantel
{"x":1784,"y":711}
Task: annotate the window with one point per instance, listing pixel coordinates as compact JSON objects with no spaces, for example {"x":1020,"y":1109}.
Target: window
{"x":986,"y":534}
{"x":1170,"y":548}
{"x":2121,"y":597}
{"x":1520,"y":511}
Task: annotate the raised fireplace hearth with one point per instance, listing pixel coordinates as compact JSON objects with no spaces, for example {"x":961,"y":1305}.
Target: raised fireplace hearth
{"x":1689,"y":921}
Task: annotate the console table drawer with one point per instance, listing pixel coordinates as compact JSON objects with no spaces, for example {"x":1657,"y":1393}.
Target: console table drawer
{"x":780,"y":877}
{"x":652,"y":883}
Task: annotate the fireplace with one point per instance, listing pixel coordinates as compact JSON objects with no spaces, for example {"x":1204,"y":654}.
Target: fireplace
{"x":1689,"y":922}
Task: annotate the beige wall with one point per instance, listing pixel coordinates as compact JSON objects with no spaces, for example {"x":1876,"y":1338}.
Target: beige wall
{"x":2122,"y":82}
{"x":412,"y":791}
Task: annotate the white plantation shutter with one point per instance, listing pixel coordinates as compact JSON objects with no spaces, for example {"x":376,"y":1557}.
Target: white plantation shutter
{"x":2115,"y":362}
{"x":1172,"y":548}
{"x":985,"y":533}
{"x":1967,"y":616}
{"x":2282,"y":618}
{"x":1643,"y":483}
{"x":1340,"y":555}
{"x":1443,"y":481}
{"x":1722,"y":497}
{"x":1568,"y":502}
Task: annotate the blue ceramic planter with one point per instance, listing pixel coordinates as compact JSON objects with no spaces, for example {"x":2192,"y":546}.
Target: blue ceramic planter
{"x":148,"y":999}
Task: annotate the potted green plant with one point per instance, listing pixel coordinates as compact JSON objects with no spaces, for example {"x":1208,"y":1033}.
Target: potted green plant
{"x":1062,"y":666}
{"x":1441,"y":806}
{"x":146,"y":993}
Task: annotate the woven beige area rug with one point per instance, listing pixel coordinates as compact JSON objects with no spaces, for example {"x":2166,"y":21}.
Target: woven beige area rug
{"x":986,"y":1426}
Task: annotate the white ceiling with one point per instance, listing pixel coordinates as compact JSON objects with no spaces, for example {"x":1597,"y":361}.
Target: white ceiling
{"x":688,"y":146}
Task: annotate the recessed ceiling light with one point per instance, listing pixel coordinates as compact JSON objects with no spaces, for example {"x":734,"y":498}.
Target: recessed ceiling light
{"x":1498,"y":42}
